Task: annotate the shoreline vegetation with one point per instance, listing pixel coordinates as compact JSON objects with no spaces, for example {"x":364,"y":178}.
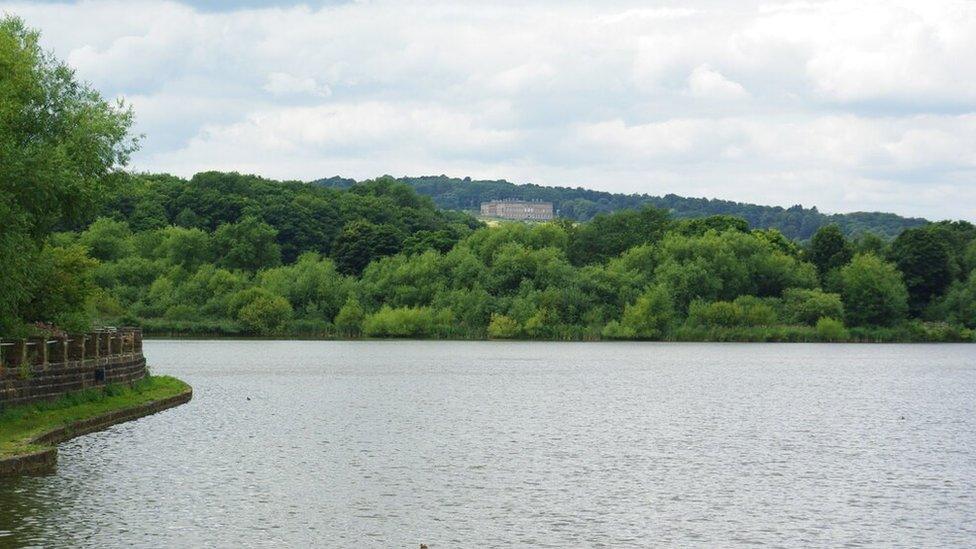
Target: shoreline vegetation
{"x":85,"y":242}
{"x":33,"y":430}
{"x":910,"y":333}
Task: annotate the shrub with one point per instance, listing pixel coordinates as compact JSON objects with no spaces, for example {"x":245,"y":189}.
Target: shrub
{"x":349,"y":320}
{"x":648,"y":317}
{"x":400,"y":322}
{"x":615,"y":330}
{"x":182,"y":312}
{"x":265,"y":315}
{"x":804,"y":306}
{"x":502,"y":327}
{"x":756,"y":311}
{"x":830,"y":329}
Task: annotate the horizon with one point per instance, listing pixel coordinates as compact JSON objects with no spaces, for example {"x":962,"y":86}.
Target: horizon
{"x":845,"y":107}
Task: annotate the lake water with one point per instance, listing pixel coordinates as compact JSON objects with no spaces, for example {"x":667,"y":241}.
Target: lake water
{"x":491,"y":444}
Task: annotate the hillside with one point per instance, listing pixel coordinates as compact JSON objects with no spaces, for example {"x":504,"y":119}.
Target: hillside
{"x":583,"y":204}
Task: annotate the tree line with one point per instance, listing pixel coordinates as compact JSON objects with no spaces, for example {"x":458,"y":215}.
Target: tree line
{"x":580,"y":204}
{"x":84,"y":241}
{"x":216,"y":258}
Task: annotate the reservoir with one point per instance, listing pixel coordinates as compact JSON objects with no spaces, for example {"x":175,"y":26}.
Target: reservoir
{"x":516,"y":444}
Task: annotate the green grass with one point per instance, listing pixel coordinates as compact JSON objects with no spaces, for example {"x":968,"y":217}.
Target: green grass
{"x":18,"y":425}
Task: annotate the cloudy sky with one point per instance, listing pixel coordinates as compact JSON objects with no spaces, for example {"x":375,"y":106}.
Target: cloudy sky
{"x":844,"y":105}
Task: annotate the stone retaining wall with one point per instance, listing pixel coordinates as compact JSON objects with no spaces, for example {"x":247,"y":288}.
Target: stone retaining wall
{"x":38,"y":370}
{"x":45,"y":460}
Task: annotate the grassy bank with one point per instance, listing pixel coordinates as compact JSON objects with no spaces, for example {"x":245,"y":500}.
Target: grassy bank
{"x":19,"y":425}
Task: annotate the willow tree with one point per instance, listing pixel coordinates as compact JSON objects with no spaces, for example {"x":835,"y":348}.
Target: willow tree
{"x":60,"y":143}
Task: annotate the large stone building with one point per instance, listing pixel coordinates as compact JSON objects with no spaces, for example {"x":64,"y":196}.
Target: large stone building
{"x":517,"y":209}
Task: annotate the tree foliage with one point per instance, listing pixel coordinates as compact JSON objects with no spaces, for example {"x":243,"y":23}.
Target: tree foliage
{"x":579,"y":204}
{"x":922,"y":256}
{"x":60,"y":144}
{"x":873,"y":292}
{"x":829,"y":249}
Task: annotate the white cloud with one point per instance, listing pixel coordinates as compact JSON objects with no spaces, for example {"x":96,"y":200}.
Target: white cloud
{"x":847,"y":105}
{"x":706,"y":82}
{"x":282,"y":83}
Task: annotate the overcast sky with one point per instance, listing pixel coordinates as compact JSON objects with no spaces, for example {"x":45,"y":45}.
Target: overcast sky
{"x":844,"y":105}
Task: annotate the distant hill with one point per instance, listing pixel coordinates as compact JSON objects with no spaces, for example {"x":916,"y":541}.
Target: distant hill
{"x":582,"y":204}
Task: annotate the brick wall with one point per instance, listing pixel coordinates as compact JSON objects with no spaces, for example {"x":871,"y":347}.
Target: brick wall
{"x":44,"y":369}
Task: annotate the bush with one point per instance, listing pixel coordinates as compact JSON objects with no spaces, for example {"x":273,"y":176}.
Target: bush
{"x":502,"y":327}
{"x":401,"y":322}
{"x":715,"y":314}
{"x":830,"y":329}
{"x":648,"y":317}
{"x":615,"y":330}
{"x":756,"y":311}
{"x":309,"y":327}
{"x":349,"y":320}
{"x":744,"y":311}
{"x":265,"y":315}
{"x":804,"y":306}
{"x":772,"y":334}
{"x":182,"y":312}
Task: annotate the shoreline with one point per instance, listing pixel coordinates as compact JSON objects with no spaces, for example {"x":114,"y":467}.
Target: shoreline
{"x":307,"y":337}
{"x":41,"y":451}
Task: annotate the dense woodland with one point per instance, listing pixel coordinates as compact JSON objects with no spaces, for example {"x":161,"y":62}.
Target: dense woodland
{"x":235,"y":254}
{"x":579,"y":204}
{"x":222,"y":253}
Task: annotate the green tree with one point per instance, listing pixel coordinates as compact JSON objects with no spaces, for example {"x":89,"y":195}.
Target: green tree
{"x":924,"y":260}
{"x":107,"y":239}
{"x":361,"y":242}
{"x":188,"y":248}
{"x":61,"y":287}
{"x":312,"y":285}
{"x":870,"y":243}
{"x":607,"y":236}
{"x":248,"y":244}
{"x":718,"y":223}
{"x":873,"y":292}
{"x":829,"y":249}
{"x":59,"y":144}
{"x":349,"y":320}
{"x":959,"y":304}
{"x":265,"y":315}
{"x":805,"y":306}
{"x":650,"y":316}
{"x":720,"y":314}
{"x":58,"y":138}
{"x":723,"y":266}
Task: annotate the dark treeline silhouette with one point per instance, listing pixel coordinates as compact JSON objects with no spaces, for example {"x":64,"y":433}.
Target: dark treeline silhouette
{"x":580,"y":204}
